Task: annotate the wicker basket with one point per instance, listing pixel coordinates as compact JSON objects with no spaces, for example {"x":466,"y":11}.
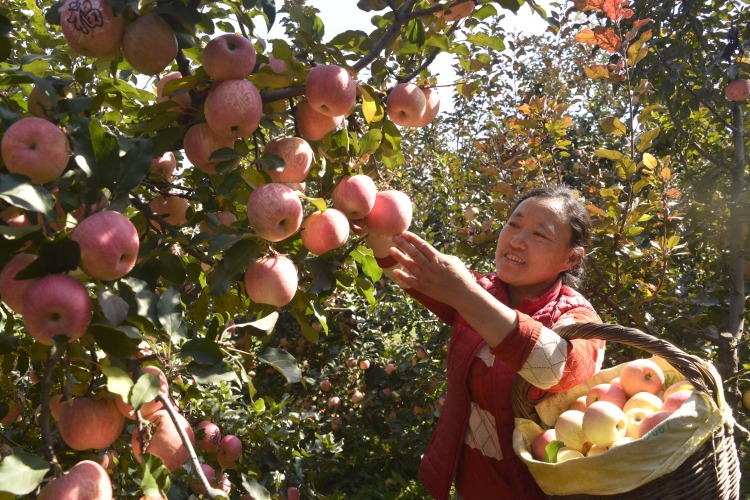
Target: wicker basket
{"x":710,"y":473}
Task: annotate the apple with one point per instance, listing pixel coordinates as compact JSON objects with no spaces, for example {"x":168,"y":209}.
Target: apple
{"x":109,"y":245}
{"x":406,"y":104}
{"x":275,"y":211}
{"x":172,"y":209}
{"x":324,"y":231}
{"x":91,"y":28}
{"x":12,"y":291}
{"x":675,"y":400}
{"x":334,"y":402}
{"x":165,"y":441}
{"x":635,"y":417}
{"x":233,"y":108}
{"x":271,"y":280}
{"x":313,"y":125}
{"x":276,"y":65}
{"x":357,"y":397}
{"x":195,"y":485}
{"x":200,"y":142}
{"x":644,"y":400}
{"x":641,"y":375}
{"x":355,"y":196}
{"x":682,"y":385}
{"x":164,"y":165}
{"x":14,"y":217}
{"x":88,"y":423}
{"x":224,"y":218}
{"x":209,"y":442}
{"x":616,"y":381}
{"x":330,"y":90}
{"x":539,"y":445}
{"x":56,"y":304}
{"x":230,"y":451}
{"x":391,"y":213}
{"x":569,"y":429}
{"x":35,"y":148}
{"x":14,"y":412}
{"x":604,"y":423}
{"x":432,"y":107}
{"x":297,"y":155}
{"x":326,"y":385}
{"x":56,"y":404}
{"x":457,"y":11}
{"x":565,"y":453}
{"x":292,"y":493}
{"x":652,"y":421}
{"x":606,"y":392}
{"x":622,"y":441}
{"x":596,"y":450}
{"x":579,"y":404}
{"x":228,"y":57}
{"x":149,"y":44}
{"x":148,"y":408}
{"x":364,"y":364}
{"x":108,"y":460}
{"x":86,"y":479}
{"x":182,"y":99}
{"x":737,"y":90}
{"x":390,"y":368}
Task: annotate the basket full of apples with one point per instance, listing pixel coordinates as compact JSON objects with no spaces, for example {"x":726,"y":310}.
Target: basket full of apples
{"x":650,"y":428}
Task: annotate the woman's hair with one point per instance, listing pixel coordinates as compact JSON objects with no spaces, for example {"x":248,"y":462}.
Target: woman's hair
{"x":578,"y":219}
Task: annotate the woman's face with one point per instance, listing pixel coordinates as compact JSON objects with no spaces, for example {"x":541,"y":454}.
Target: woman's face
{"x":534,"y":247}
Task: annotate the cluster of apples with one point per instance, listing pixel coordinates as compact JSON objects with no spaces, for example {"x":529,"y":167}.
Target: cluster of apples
{"x":613,"y":414}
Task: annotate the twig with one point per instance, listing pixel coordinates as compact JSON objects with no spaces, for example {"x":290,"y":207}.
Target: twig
{"x":47,"y":446}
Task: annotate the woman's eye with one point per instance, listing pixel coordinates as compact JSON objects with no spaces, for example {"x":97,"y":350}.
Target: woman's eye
{"x":541,"y":235}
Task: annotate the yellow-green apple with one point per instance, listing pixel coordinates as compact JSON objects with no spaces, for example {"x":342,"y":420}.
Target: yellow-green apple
{"x":652,"y":421}
{"x":596,"y":450}
{"x":165,"y":440}
{"x":432,"y":107}
{"x":15,"y":217}
{"x":643,"y":400}
{"x":271,"y":280}
{"x":36,"y":148}
{"x":230,"y":451}
{"x":569,"y":429}
{"x":54,"y":305}
{"x":457,"y":11}
{"x":391,"y":213}
{"x":228,"y":57}
{"x":355,"y":195}
{"x":682,"y":385}
{"x":324,"y":231}
{"x":604,"y":423}
{"x":12,"y":291}
{"x":364,"y":364}
{"x":357,"y":397}
{"x":564,"y":454}
{"x":579,"y":404}
{"x":606,"y":392}
{"x":330,"y":90}
{"x":208,"y":436}
{"x":149,"y":407}
{"x":297,"y":155}
{"x":233,"y":108}
{"x":200,"y":142}
{"x":623,"y":440}
{"x":313,"y":125}
{"x":173,"y":209}
{"x":737,"y":90}
{"x":109,"y":245}
{"x":91,"y":28}
{"x":641,"y":375}
{"x":86,"y":479}
{"x":746,"y":399}
{"x":539,"y":445}
{"x":675,"y":400}
{"x":406,"y":103}
{"x":635,"y":417}
{"x":182,"y":99}
{"x":88,"y":423}
{"x":164,"y":165}
{"x":149,"y":44}
{"x":334,"y":402}
{"x":275,"y":211}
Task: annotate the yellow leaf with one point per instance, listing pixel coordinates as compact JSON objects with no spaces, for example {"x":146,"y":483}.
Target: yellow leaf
{"x":649,"y":161}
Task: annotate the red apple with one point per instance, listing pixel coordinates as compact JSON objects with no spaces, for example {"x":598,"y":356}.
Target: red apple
{"x":330,"y":90}
{"x":195,"y":485}
{"x":271,"y":280}
{"x":682,"y":385}
{"x":211,"y":436}
{"x":604,"y":423}
{"x":569,"y":429}
{"x":276,"y":65}
{"x":15,"y":407}
{"x":641,"y":375}
{"x":109,"y":245}
{"x":12,"y":291}
{"x":391,"y":213}
{"x":737,"y":90}
{"x":182,"y":99}
{"x":634,"y":418}
{"x":228,"y":57}
{"x":652,"y":421}
{"x":35,"y":148}
{"x":390,"y":368}
{"x":326,"y":385}
{"x":364,"y":364}
{"x":676,"y":400}
{"x":91,"y":28}
{"x":457,"y":11}
{"x":148,"y":408}
{"x":406,"y":103}
{"x":164,"y":165}
{"x":233,"y":108}
{"x":15,"y":217}
{"x":432,"y":107}
{"x":86,"y":479}
{"x":355,"y":196}
{"x":539,"y":445}
{"x":334,"y":402}
{"x":165,"y":441}
{"x":56,"y":304}
{"x":200,"y":142}
{"x":230,"y":451}
{"x":324,"y":231}
{"x":56,"y":405}
{"x":313,"y":125}
{"x":357,"y":397}
{"x":149,"y":44}
{"x":643,"y":400}
{"x":172,"y":209}
{"x":275,"y":211}
{"x":88,"y":423}
{"x":607,"y":392}
{"x":297,"y":155}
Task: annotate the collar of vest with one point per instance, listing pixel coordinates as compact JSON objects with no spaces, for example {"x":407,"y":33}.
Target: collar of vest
{"x":528,"y":305}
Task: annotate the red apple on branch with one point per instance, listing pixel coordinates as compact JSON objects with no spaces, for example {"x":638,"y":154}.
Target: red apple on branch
{"x":148,"y":408}
{"x":330,"y":90}
{"x":275,"y":211}
{"x":297,"y":155}
{"x":230,"y":451}
{"x":91,"y":28}
{"x":228,"y":57}
{"x":313,"y":125}
{"x":200,"y":142}
{"x":12,"y":291}
{"x":149,"y":44}
{"x":355,"y":196}
{"x":211,"y":436}
{"x":164,"y":440}
{"x":164,"y":165}
{"x":737,"y":90}
{"x":86,"y":479}
{"x":432,"y":107}
{"x":182,"y":99}
{"x":325,"y":231}
{"x":172,"y":209}
{"x":391,"y":213}
{"x":271,"y":280}
{"x":88,"y":423}
{"x":406,"y":103}
{"x":56,"y":304}
{"x":35,"y":148}
{"x":233,"y":108}
{"x":109,"y":245}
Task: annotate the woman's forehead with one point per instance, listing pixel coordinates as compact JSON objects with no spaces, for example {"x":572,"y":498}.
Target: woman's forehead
{"x":550,"y":210}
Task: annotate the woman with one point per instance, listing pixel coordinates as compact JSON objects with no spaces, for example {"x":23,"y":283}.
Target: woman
{"x":501,"y":325}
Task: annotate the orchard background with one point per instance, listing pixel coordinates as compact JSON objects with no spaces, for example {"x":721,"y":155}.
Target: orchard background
{"x":624,"y":102}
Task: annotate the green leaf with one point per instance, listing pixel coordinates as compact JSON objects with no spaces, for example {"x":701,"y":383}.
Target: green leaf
{"x":220,"y":372}
{"x":203,"y":351}
{"x":254,"y":488}
{"x":169,"y":312}
{"x":415,"y":32}
{"x":550,"y":452}
{"x":22,"y":472}
{"x":320,"y":203}
{"x":283,"y":362}
{"x":646,"y":138}
{"x":649,"y":161}
{"x":371,"y":108}
{"x":155,"y":476}
{"x":484,"y":40}
{"x":608,"y":154}
{"x":365,"y":258}
{"x":612,"y":125}
{"x":238,"y":257}
{"x":370,"y":142}
{"x":118,"y":381}
{"x":8,"y":344}
{"x":18,"y":191}
{"x":264,"y":325}
{"x":145,"y":389}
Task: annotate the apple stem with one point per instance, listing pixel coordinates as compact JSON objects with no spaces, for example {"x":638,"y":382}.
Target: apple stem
{"x":48,"y":445}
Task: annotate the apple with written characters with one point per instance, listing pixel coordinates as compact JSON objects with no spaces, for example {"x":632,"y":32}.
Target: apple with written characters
{"x":539,"y":445}
{"x":173,"y":209}
{"x":604,"y":423}
{"x":164,"y":166}
{"x":644,"y":400}
{"x":233,"y":108}
{"x":149,"y":44}
{"x":101,"y":38}
{"x":109,"y":245}
{"x":36,"y":148}
{"x":641,"y":375}
{"x":89,"y":423}
{"x":635,"y":417}
{"x":330,"y":90}
{"x":569,"y":429}
{"x":208,"y":436}
{"x":182,"y":99}
{"x":676,"y":400}
{"x":12,"y":290}
{"x":390,"y":215}
{"x":355,"y":195}
{"x":406,"y":104}
{"x":325,"y":231}
{"x":271,"y":280}
{"x":682,"y":385}
{"x":86,"y":479}
{"x":431,"y":109}
{"x":297,"y":155}
{"x":165,"y":440}
{"x":228,"y":57}
{"x":313,"y":125}
{"x":737,"y":90}
{"x":652,"y":421}
{"x":56,"y":305}
{"x":275,"y":211}
{"x":200,"y":142}
{"x":606,"y":392}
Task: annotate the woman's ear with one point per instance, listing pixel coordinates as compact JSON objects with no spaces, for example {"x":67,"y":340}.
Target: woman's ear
{"x":575,"y":256}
